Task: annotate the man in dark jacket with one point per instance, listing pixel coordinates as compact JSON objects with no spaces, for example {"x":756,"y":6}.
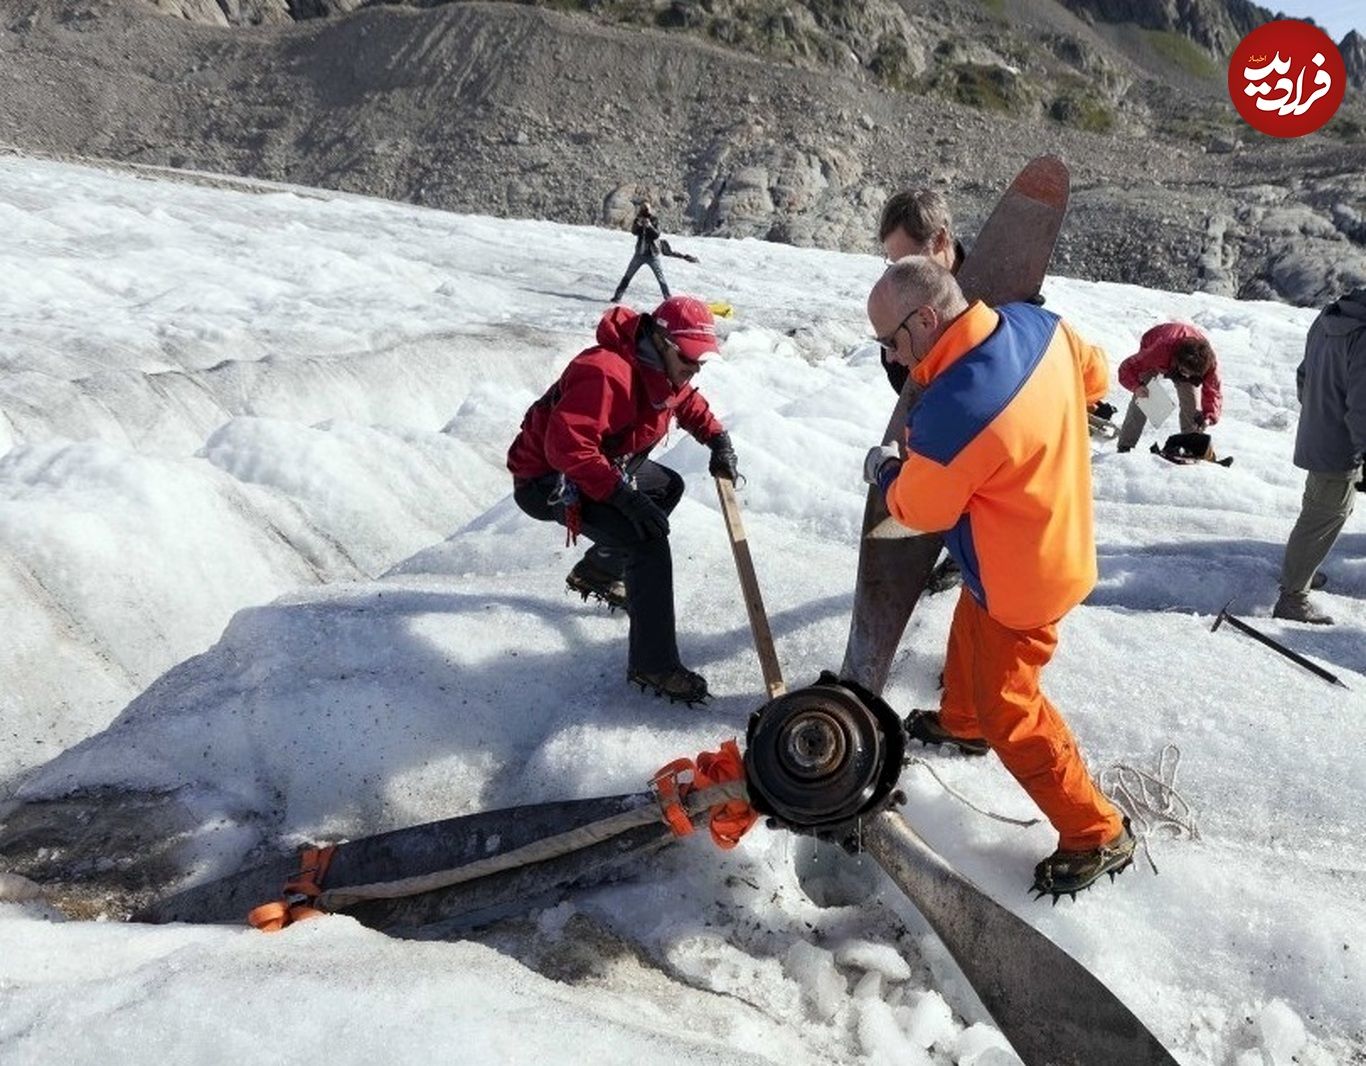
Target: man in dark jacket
{"x":645,"y":227}
{"x":581,"y":460}
{"x":1330,"y":444}
{"x":917,"y":222}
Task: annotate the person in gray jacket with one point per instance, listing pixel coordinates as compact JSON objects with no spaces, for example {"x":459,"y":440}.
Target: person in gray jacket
{"x":1330,"y":444}
{"x":645,"y":228}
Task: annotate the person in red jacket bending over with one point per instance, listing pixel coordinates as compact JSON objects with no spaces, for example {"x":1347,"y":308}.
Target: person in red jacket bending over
{"x":581,"y":459}
{"x":1183,"y":354}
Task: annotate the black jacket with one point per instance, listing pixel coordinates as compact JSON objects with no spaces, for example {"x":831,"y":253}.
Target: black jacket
{"x":647,"y":235}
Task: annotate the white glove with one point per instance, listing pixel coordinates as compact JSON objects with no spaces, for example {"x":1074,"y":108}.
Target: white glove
{"x":877,"y":459}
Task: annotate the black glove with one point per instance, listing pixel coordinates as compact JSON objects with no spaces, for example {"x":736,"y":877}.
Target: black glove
{"x":1201,"y":420}
{"x":723,"y":462}
{"x":1104,"y":410}
{"x":647,"y":516}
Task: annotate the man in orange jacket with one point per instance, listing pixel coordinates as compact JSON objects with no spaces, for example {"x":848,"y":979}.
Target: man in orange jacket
{"x":997,"y":456}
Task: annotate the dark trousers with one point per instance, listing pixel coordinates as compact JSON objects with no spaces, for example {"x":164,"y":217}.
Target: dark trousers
{"x":646,"y":564}
{"x":638,"y":261}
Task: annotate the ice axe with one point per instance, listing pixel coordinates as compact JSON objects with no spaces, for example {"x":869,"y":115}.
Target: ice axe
{"x":1274,"y":645}
{"x":749,"y":587}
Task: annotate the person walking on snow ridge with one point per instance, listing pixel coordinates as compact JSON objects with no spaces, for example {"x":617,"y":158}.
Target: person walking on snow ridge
{"x":581,"y":459}
{"x":1181,"y":353}
{"x":645,"y":227}
{"x":1330,"y":444}
{"x":997,"y":456}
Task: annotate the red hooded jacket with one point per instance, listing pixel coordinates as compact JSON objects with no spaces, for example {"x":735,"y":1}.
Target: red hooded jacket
{"x":1156,"y":351}
{"x":607,"y":405}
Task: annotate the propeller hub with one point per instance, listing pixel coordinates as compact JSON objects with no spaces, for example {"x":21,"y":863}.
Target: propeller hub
{"x":823,"y":755}
{"x":813,"y":744}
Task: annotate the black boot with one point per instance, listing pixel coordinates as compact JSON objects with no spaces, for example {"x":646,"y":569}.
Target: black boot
{"x":924,"y":726}
{"x":589,"y":579}
{"x":1068,"y":872}
{"x":680,"y":685}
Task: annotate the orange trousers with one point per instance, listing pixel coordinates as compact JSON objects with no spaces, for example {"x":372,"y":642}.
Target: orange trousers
{"x":991,"y":690}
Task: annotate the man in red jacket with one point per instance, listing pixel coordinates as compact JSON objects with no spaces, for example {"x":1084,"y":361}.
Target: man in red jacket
{"x":581,"y":460}
{"x":1181,"y":353}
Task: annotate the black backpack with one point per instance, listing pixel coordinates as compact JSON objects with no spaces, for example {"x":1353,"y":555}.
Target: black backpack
{"x":1183,"y":448}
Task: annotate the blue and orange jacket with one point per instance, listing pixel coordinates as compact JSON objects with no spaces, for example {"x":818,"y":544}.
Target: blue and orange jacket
{"x":607,"y":406}
{"x":998,"y":456}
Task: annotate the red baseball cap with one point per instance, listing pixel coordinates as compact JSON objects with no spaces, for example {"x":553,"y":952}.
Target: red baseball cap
{"x":691,"y":326}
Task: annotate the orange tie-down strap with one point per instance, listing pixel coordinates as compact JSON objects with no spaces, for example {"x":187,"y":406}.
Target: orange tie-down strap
{"x":729,"y":820}
{"x":298,"y":895}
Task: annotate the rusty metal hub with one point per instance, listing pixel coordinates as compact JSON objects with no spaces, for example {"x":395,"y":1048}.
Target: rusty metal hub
{"x":824,"y":755}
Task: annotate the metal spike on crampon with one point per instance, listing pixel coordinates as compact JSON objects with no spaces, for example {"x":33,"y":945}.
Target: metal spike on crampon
{"x":584,"y":594}
{"x":659,"y":690}
{"x":1071,"y":892}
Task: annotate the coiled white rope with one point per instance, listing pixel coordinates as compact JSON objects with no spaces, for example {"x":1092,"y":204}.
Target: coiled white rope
{"x":1151,"y":800}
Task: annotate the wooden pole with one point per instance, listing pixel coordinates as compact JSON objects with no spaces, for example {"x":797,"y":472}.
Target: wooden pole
{"x":749,"y":587}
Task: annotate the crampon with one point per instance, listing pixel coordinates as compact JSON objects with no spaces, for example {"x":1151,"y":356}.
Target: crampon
{"x":678,"y":685}
{"x":1065,"y":873}
{"x":924,"y":726}
{"x":588,"y":581}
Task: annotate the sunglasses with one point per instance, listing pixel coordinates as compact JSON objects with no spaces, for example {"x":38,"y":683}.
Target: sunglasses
{"x":888,"y":343}
{"x":678,"y":352}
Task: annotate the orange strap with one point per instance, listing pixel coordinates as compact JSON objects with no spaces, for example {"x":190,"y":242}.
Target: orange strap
{"x":734,"y":818}
{"x":730,"y":820}
{"x":299,"y":894}
{"x":671,"y":791}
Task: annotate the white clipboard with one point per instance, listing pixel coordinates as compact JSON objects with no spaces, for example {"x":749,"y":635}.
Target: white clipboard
{"x":1157,"y":405}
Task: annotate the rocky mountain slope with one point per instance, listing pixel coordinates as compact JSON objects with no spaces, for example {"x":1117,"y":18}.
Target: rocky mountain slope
{"x":789,"y":122}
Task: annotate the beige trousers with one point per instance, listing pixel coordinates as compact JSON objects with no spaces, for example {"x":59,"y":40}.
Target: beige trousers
{"x":1328,"y":500}
{"x":1134,"y":419}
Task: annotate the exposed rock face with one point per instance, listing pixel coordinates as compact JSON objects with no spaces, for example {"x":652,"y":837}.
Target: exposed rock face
{"x":1353,"y":49}
{"x":1217,"y":25}
{"x":509,"y":109}
{"x":206,"y":11}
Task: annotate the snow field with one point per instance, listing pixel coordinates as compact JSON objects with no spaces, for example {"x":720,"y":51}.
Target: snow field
{"x":259,"y":556}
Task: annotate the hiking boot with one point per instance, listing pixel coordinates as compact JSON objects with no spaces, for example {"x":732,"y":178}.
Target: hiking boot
{"x":680,"y":685}
{"x":924,"y":726}
{"x":589,"y":579}
{"x":1122,"y":448}
{"x":1295,"y":607}
{"x":1068,"y":872}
